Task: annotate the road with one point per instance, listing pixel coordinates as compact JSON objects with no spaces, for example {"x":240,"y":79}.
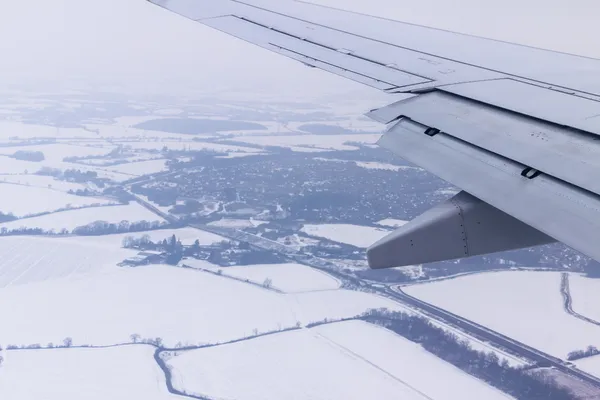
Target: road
{"x":565,"y":291}
{"x":480,"y":332}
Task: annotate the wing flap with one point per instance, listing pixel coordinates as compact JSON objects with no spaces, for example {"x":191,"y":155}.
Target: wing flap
{"x":564,"y":153}
{"x":561,"y":107}
{"x":558,"y":209}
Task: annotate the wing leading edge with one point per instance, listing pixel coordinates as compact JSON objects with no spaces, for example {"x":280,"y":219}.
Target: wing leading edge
{"x":516,"y":127}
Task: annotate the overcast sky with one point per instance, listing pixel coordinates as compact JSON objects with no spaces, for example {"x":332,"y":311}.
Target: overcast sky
{"x":133,"y":43}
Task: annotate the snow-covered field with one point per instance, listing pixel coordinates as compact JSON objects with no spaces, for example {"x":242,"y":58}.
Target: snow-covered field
{"x":23,"y":200}
{"x":121,"y":373}
{"x":10,"y":165}
{"x":524,"y":305}
{"x":289,"y":278}
{"x":332,"y":142}
{"x":392,"y":223}
{"x":591,"y":365}
{"x":140,"y":168}
{"x":175,"y":304}
{"x":355,"y":235}
{"x":27,"y":259}
{"x":71,"y":219}
{"x":56,"y":152}
{"x":237,"y":223}
{"x":42,"y":181}
{"x":585,"y":294}
{"x":186,"y":235}
{"x":350,"y":360}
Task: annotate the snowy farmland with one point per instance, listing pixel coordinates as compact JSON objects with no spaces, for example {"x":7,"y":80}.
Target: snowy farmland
{"x":42,"y":181}
{"x":26,"y":259}
{"x":21,"y":200}
{"x":289,"y":278}
{"x":187,"y":236}
{"x":175,"y":304}
{"x":120,"y":373}
{"x":56,"y":152}
{"x":585,"y":295}
{"x":72,"y":219}
{"x":524,"y":305}
{"x":140,"y":168}
{"x":350,"y":360}
{"x":355,"y":235}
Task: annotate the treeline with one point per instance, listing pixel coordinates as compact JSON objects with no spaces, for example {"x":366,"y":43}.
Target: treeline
{"x":24,"y":155}
{"x":93,"y":229}
{"x":106,"y":228}
{"x":579,"y":354}
{"x":517,"y":382}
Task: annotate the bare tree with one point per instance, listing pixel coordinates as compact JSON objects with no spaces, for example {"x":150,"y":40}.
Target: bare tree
{"x":135,"y":337}
{"x":68,"y":342}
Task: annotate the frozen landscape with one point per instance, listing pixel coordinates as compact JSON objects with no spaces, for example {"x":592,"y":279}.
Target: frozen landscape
{"x":231,"y":266}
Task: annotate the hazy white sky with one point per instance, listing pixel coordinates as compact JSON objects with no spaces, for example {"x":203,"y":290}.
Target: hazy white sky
{"x":135,"y":44}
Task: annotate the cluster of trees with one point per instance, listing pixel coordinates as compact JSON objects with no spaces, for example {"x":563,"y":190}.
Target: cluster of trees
{"x":173,"y":247}
{"x":36,"y":156}
{"x":136,"y":338}
{"x":579,"y":354}
{"x":105,"y":228}
{"x":67,"y":342}
{"x":519,"y":383}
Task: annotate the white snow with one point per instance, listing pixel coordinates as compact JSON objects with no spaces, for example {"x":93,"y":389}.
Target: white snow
{"x":186,"y":235}
{"x":237,"y":223}
{"x":524,"y":305}
{"x":383,"y":166}
{"x":71,"y":219}
{"x":355,"y":235}
{"x":289,"y":278}
{"x":591,"y":365}
{"x":26,"y":259}
{"x":120,"y":373}
{"x":10,"y":165}
{"x":140,"y":168}
{"x":43,"y":181}
{"x":22,"y":200}
{"x":585,"y":295}
{"x":173,"y":303}
{"x":56,"y":152}
{"x":350,"y":360}
{"x":392,"y":223}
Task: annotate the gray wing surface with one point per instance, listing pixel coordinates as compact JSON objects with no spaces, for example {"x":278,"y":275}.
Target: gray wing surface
{"x":515,"y":127}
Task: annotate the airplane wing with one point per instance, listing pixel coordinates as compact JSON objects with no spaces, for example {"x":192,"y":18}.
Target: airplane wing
{"x":516,"y":127}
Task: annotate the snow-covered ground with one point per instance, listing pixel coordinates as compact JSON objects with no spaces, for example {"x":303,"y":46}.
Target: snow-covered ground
{"x":524,"y":305}
{"x":591,"y":365}
{"x":21,"y":200}
{"x":140,"y":168}
{"x":384,"y":166}
{"x":355,"y":235}
{"x":42,"y":181}
{"x":289,"y":278}
{"x":71,"y":219}
{"x":10,"y":165}
{"x":120,"y":373}
{"x":332,"y":142}
{"x":27,"y":259}
{"x":176,"y":304}
{"x":56,"y":152}
{"x":350,"y":360}
{"x":585,"y":295}
{"x":237,"y":223}
{"x":392,"y":223}
{"x":186,"y":235}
